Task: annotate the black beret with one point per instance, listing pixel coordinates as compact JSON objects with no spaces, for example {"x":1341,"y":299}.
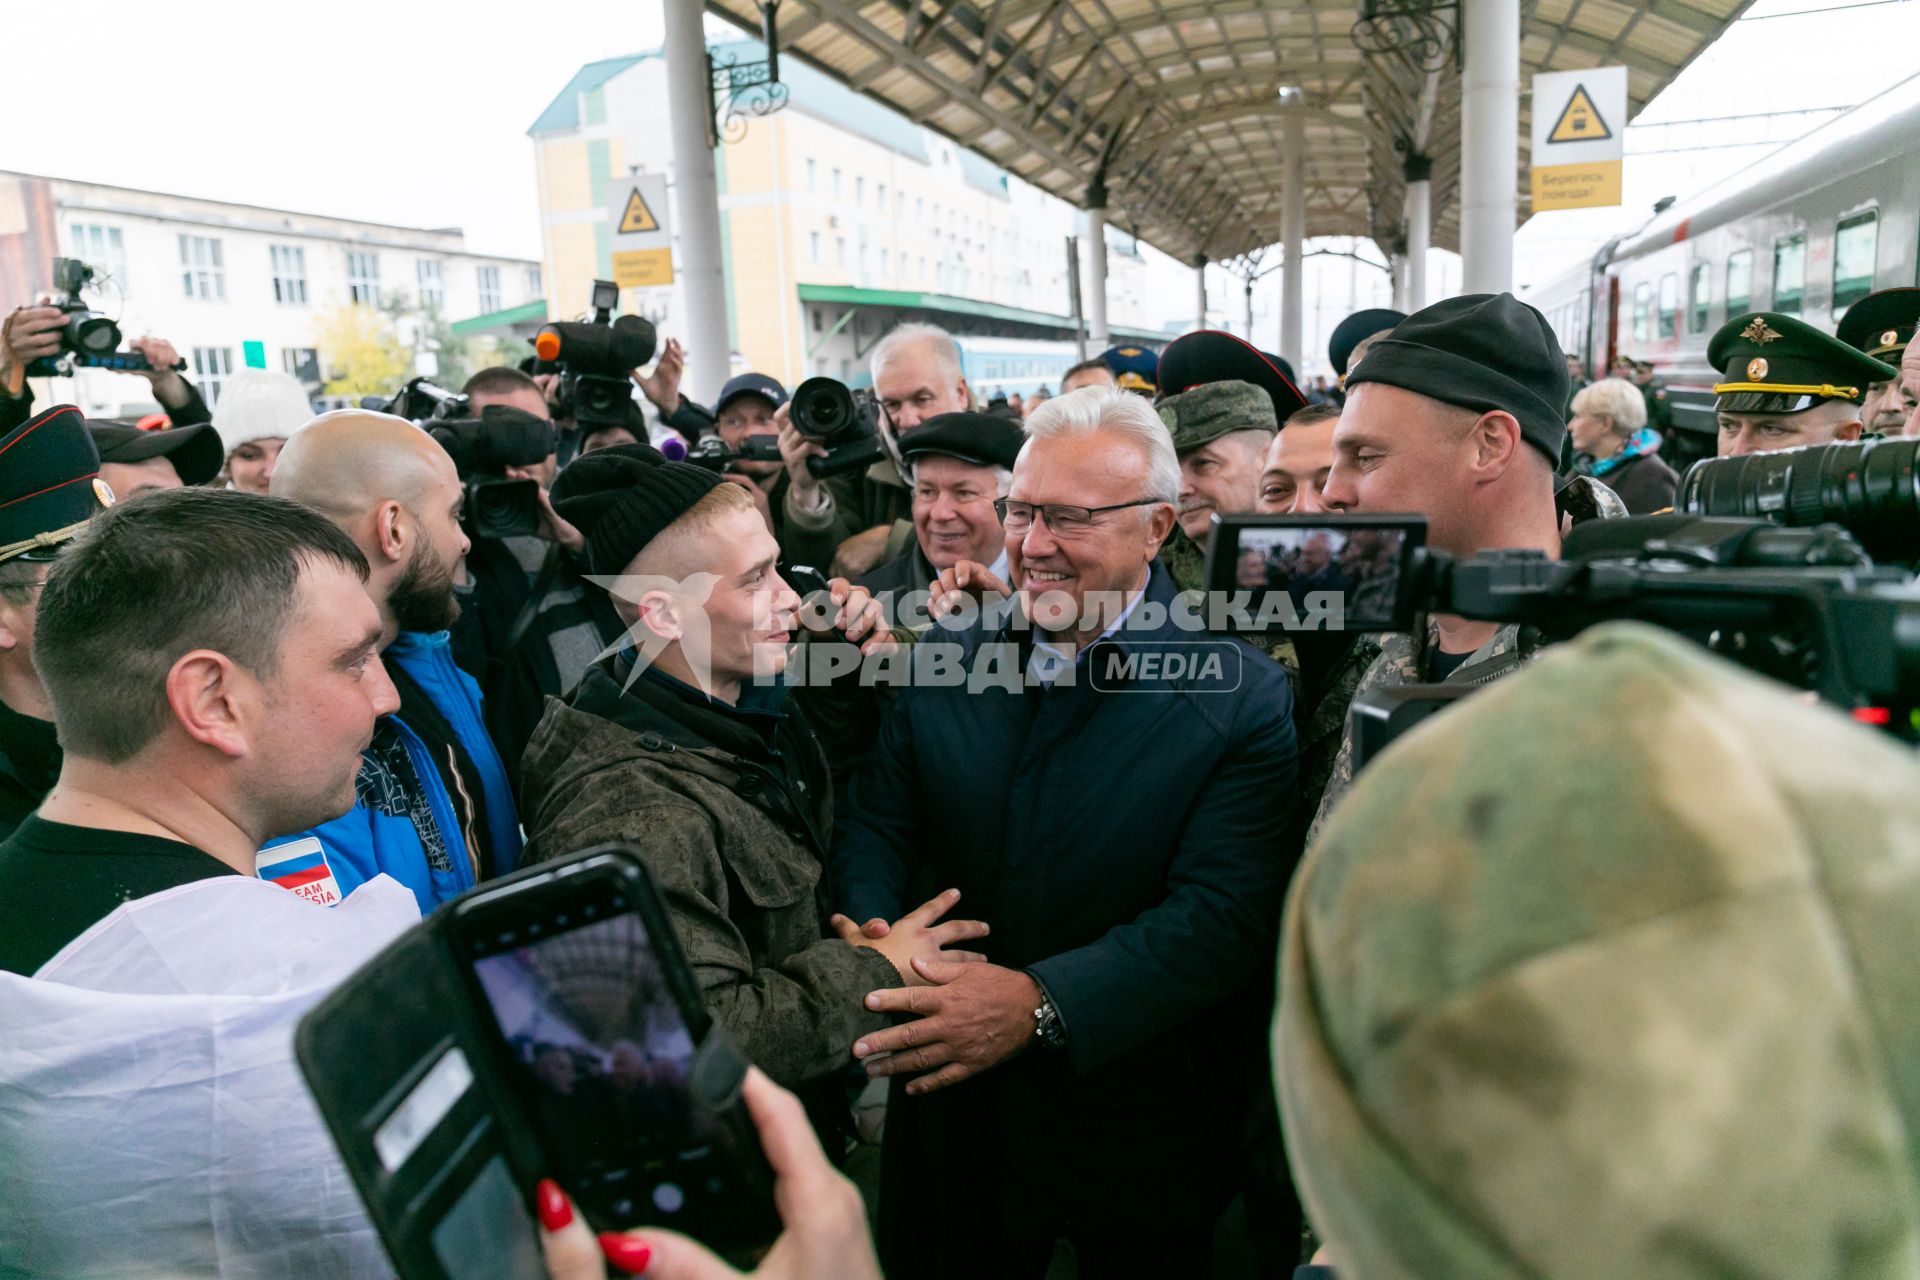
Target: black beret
{"x":1882,"y":323}
{"x":984,"y":439}
{"x":50,"y":484}
{"x":1356,"y":329}
{"x":195,"y":451}
{"x":1480,"y":351}
{"x":1208,"y":355}
{"x":620,"y":498}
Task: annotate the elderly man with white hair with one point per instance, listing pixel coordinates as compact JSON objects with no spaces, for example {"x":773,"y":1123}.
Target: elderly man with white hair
{"x":1111,"y":789}
{"x":917,"y":375}
{"x":1613,"y":443}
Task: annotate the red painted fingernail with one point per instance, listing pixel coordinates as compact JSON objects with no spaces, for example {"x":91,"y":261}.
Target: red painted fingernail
{"x":555,"y":1212}
{"x":629,"y":1253}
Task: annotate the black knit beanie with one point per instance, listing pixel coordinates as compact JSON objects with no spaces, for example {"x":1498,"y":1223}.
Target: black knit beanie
{"x":1480,"y":351}
{"x":621,"y":498}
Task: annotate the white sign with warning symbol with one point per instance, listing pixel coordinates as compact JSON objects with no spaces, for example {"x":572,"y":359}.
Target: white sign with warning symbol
{"x":1579,"y":127}
{"x":641,"y":239}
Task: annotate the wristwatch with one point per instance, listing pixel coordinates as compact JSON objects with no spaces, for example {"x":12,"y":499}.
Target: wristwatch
{"x":1047,"y":1027}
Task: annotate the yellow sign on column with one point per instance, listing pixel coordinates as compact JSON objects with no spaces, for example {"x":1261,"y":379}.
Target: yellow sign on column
{"x":1578,"y":121}
{"x":643,"y":268}
{"x":1576,"y":186}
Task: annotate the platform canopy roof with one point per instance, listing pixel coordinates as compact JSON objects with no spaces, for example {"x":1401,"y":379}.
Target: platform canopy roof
{"x":1180,"y":99}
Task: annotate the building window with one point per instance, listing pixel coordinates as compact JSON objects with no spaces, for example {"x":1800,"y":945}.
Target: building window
{"x":489,"y":289}
{"x":816,"y":320}
{"x":920,"y":211}
{"x":1697,"y":288}
{"x":886,"y":263}
{"x":1739,"y":282}
{"x":1669,"y":304}
{"x":302,"y":362}
{"x":363,"y":277}
{"x":813,"y":176}
{"x":212,"y":366}
{"x":880,"y":197}
{"x":859,"y":190}
{"x":433,"y":289}
{"x":1854,"y":244}
{"x":1642,"y":312}
{"x":813,"y":244}
{"x":1789,"y":273}
{"x":840,"y":250}
{"x":836,"y":184}
{"x":203,"y":272}
{"x":900,"y":206}
{"x":289,"y":274}
{"x":534,"y":291}
{"x":101,"y":248}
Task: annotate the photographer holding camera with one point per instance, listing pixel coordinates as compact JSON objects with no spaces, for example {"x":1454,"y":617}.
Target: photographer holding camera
{"x":31,"y":333}
{"x":916,"y":376}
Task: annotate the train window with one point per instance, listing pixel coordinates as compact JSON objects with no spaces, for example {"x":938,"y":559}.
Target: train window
{"x":1854,"y":243}
{"x":1739,"y":282}
{"x":1642,"y":312}
{"x":1789,"y":273}
{"x":1669,"y":303}
{"x":1698,"y":287}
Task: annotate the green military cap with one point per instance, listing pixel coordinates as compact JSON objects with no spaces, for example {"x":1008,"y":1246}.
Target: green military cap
{"x":1882,"y":323}
{"x":1623,"y":992}
{"x":1777,"y":364}
{"x":1215,"y":409}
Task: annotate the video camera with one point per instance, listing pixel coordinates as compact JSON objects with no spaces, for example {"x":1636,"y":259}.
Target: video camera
{"x":89,"y":340}
{"x":1870,"y":487}
{"x":1806,"y":606}
{"x":482,"y":449}
{"x":713,"y":454}
{"x":847,"y":426}
{"x":596,"y":359}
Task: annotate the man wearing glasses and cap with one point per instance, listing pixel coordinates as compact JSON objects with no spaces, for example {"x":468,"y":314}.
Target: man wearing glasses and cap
{"x":50,"y":487}
{"x":1787,"y":384}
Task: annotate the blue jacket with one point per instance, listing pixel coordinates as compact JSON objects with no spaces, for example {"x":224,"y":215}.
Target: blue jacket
{"x":398,"y":783}
{"x":1127,"y":838}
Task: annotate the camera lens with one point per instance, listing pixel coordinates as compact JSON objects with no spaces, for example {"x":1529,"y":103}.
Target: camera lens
{"x":1869,"y":487}
{"x":91,"y":334}
{"x":823,"y":409}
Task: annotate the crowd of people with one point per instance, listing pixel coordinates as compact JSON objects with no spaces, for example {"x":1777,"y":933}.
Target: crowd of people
{"x":1536,"y":1013}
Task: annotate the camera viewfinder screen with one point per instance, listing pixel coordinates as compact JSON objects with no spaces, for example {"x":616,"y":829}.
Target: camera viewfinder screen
{"x":601,"y":1053}
{"x":1361,"y":565}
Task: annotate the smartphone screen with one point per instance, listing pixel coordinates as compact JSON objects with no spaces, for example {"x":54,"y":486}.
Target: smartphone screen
{"x":598,"y":1051}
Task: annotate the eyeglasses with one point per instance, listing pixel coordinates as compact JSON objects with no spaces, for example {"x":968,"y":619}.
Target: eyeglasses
{"x":1065,"y":522}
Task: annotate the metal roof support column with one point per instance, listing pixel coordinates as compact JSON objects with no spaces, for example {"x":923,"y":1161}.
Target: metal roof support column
{"x":1397,"y":271}
{"x":697,"y":201}
{"x":1293,"y":234}
{"x":1200,"y":292}
{"x":1489,"y":143}
{"x":1097,"y":334}
{"x":1419,"y":174}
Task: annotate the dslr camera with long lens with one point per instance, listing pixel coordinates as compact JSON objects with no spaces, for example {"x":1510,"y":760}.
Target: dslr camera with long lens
{"x":829,"y":414}
{"x":482,"y":449}
{"x":596,"y":359}
{"x":89,"y":340}
{"x":1868,"y":487}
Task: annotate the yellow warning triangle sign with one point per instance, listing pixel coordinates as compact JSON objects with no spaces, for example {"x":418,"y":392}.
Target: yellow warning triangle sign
{"x":637,"y":217}
{"x":1579,"y":121}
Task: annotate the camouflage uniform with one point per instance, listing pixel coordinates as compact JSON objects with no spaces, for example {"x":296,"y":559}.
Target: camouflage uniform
{"x":1621,"y":992}
{"x":1403,"y":658}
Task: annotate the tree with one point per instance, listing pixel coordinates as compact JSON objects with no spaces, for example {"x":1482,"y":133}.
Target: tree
{"x":361,"y":353}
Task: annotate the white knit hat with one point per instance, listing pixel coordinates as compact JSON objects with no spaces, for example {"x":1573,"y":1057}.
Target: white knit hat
{"x":257,"y":404}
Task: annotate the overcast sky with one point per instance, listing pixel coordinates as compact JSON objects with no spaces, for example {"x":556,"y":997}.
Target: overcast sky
{"x":417,"y":114}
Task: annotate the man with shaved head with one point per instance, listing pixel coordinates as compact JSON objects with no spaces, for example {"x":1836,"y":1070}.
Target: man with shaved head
{"x":434,"y":808}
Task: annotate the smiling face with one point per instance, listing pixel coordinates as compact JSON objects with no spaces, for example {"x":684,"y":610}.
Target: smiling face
{"x":1222,"y":475}
{"x":953,"y":512}
{"x":1058,"y":576}
{"x":1297,"y":466}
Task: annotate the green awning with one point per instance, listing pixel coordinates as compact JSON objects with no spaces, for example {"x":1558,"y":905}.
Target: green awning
{"x":942,"y":302}
{"x":534,"y":312}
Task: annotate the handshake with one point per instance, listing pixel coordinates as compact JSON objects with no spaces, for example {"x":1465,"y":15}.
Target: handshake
{"x":916,"y":939}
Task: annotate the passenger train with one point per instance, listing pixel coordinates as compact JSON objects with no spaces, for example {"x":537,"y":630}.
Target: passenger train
{"x":1807,"y":231}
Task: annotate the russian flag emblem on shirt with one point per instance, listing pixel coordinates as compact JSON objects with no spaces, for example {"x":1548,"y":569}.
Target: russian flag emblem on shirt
{"x":300,"y":865}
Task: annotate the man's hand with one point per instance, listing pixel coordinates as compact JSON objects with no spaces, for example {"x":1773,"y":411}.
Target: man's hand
{"x":169,"y":388}
{"x":861,"y":553}
{"x":795,"y":449}
{"x":969,"y":579}
{"x":662,"y":387}
{"x":917,"y":937}
{"x":28,"y":334}
{"x":553,"y":527}
{"x":973,"y":1017}
{"x":859,"y":617}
